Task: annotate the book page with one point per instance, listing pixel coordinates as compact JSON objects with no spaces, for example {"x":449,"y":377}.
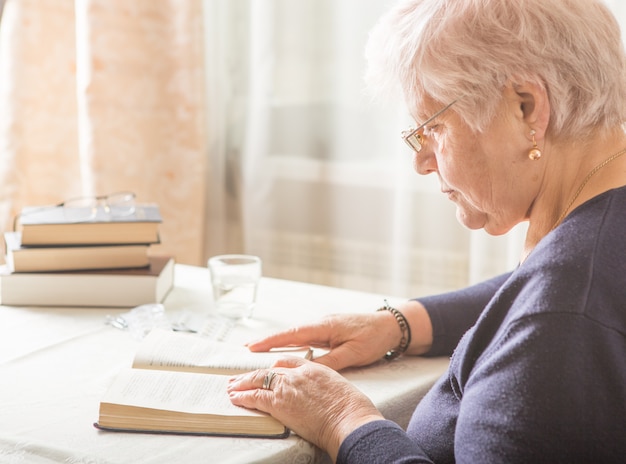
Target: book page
{"x":168,"y":350}
{"x":174,"y":391}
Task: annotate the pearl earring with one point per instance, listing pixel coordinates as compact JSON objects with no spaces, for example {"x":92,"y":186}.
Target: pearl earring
{"x":534,"y":153}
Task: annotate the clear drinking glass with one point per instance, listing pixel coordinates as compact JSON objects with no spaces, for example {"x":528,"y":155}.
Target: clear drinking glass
{"x":235,"y":281}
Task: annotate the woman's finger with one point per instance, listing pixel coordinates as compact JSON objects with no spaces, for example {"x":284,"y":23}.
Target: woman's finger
{"x":248,"y":381}
{"x":254,"y":390}
{"x":308,"y":335}
{"x":263,"y":378}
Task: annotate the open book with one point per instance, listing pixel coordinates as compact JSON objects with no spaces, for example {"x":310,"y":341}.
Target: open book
{"x":177,"y":385}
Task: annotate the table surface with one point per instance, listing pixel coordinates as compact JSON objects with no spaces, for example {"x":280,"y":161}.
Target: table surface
{"x":56,"y":363}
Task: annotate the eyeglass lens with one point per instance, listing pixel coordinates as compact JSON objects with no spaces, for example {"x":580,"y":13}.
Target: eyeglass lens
{"x":114,"y":205}
{"x":413,"y":140}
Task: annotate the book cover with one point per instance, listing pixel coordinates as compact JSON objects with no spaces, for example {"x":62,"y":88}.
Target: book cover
{"x":38,"y":215}
{"x":51,"y":226}
{"x":22,"y":258}
{"x":101,"y":288}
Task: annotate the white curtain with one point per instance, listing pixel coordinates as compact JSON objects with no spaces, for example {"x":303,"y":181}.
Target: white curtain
{"x":312,"y":176}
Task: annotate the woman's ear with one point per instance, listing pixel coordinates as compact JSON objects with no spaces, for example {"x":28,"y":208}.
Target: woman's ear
{"x":534,"y":107}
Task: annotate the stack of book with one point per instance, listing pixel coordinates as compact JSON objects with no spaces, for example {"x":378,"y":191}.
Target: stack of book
{"x":54,"y":260}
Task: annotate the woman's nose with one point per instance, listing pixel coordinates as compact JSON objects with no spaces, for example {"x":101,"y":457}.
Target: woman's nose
{"x":424,"y":161}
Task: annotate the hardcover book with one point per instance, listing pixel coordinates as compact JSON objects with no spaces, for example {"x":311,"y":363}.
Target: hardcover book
{"x":102,"y":288}
{"x":52,"y":226}
{"x":23,"y":258}
{"x":177,"y":385}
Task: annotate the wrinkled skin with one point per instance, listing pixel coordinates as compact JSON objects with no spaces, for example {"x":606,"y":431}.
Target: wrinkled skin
{"x":299,"y":398}
{"x":312,"y":398}
{"x":352,"y":339}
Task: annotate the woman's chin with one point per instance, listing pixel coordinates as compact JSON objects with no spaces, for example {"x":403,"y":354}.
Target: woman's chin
{"x":473,"y":219}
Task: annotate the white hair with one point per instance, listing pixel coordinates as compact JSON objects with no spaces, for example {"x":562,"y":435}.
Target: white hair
{"x":445,"y":49}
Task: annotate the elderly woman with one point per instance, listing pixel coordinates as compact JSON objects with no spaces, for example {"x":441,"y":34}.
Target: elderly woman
{"x":522,"y":104}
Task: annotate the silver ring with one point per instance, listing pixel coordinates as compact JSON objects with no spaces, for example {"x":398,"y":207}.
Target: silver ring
{"x":267,"y":380}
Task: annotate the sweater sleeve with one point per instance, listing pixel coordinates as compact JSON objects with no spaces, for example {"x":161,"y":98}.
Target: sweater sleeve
{"x":380,"y":442}
{"x":452,"y":314}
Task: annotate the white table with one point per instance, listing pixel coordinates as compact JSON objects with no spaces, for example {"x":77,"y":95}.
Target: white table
{"x":55,"y":364}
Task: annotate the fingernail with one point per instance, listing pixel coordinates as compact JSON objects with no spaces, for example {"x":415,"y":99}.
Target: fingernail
{"x":232,"y":384}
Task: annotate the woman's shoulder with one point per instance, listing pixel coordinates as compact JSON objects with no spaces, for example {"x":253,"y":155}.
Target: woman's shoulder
{"x":592,"y":234}
{"x":580,"y":267}
{"x":600,"y":213}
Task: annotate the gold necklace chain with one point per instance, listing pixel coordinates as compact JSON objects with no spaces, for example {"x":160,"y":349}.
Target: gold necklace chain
{"x":584,"y":182}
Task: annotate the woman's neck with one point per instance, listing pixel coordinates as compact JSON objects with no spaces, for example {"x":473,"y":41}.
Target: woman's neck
{"x":574,"y":174}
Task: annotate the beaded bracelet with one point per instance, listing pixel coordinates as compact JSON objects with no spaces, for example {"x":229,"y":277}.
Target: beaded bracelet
{"x":405,"y":341}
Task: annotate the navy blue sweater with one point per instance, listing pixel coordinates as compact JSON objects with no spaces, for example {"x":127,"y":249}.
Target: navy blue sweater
{"x":539,"y":369}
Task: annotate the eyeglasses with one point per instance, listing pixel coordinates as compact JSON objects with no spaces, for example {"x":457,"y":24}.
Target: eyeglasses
{"x":83,"y":209}
{"x":413,"y":138}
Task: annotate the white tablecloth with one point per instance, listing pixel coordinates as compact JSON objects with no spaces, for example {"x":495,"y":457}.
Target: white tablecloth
{"x":56,"y":363}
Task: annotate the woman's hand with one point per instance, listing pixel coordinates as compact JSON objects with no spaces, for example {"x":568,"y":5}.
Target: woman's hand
{"x":355,"y":339}
{"x":312,"y":400}
{"x":352,"y":340}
